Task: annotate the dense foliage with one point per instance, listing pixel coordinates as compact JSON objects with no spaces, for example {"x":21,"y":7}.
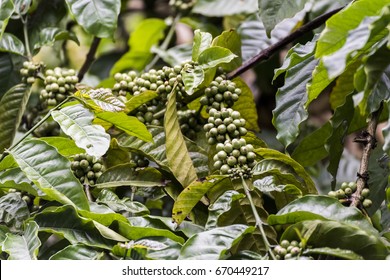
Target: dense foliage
{"x":120,"y":139}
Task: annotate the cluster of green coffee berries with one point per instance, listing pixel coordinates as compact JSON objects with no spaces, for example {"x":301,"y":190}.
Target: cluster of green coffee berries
{"x":59,"y":83}
{"x":345,"y":192}
{"x":235,"y":158}
{"x":124,"y":83}
{"x":190,"y":123}
{"x":287,"y":250}
{"x":139,"y":161}
{"x":221,"y":93}
{"x":224,"y":125}
{"x":182,"y":5}
{"x":30,"y":70}
{"x":87,"y":168}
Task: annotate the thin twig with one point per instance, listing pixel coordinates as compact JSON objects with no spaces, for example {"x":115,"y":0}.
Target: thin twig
{"x":268,"y":52}
{"x":369,"y":142}
{"x":26,"y":38}
{"x":90,"y":58}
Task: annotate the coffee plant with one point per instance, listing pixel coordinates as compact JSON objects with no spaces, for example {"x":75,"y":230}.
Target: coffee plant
{"x":199,"y":129}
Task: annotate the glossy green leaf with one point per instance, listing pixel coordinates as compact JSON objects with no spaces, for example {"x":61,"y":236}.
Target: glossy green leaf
{"x":9,"y":76}
{"x":14,"y":178}
{"x":213,"y":244}
{"x":103,"y":214}
{"x":13,"y":211}
{"x":147,"y":34}
{"x":66,"y":222}
{"x":202,"y":41}
{"x":191,"y":195}
{"x":320,"y":81}
{"x":125,"y":175}
{"x":177,"y":152}
{"x":272,"y":12}
{"x":334,"y":234}
{"x":300,"y":171}
{"x":192,"y":78}
{"x":334,"y":252}
{"x":222,"y":205}
{"x":97,"y":17}
{"x":76,"y":252}
{"x":220,"y":8}
{"x":337,"y":27}
{"x":76,"y":122}
{"x":213,"y":57}
{"x":64,"y":146}
{"x":49,"y":35}
{"x":103,"y":98}
{"x":156,"y":150}
{"x":246,"y":105}
{"x":6,"y":10}
{"x":386,"y":133}
{"x":129,"y":124}
{"x":230,"y":40}
{"x":290,"y":109}
{"x":176,"y":55}
{"x":50,"y":172}
{"x":135,"y":101}
{"x":10,"y":43}
{"x":319,"y":207}
{"x":25,"y":246}
{"x":12,"y":107}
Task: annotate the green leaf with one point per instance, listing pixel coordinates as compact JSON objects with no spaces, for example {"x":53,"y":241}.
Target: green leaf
{"x":103,"y":98}
{"x":334,"y":252}
{"x":6,"y":10}
{"x":213,"y":244}
{"x":176,"y":55}
{"x":177,"y":152}
{"x":337,"y":27}
{"x":246,"y":105}
{"x":221,"y":8}
{"x":104,"y":214}
{"x":320,"y":207}
{"x":12,"y":107}
{"x":156,"y":150}
{"x":66,"y":222}
{"x":336,"y":234}
{"x":300,"y":171}
{"x":97,"y":17}
{"x":76,"y":122}
{"x":290,"y":109}
{"x":129,"y":124}
{"x":192,"y":78}
{"x":10,"y":43}
{"x":230,"y":40}
{"x":147,"y":34}
{"x":14,"y":178}
{"x":50,"y":172}
{"x":64,"y":146}
{"x":23,"y":247}
{"x":135,"y":101}
{"x":49,"y":35}
{"x":191,"y":195}
{"x":124,"y":175}
{"x":386,"y":133}
{"x":213,"y":57}
{"x":202,"y":41}
{"x":13,"y":211}
{"x":76,"y":252}
{"x":272,"y":12}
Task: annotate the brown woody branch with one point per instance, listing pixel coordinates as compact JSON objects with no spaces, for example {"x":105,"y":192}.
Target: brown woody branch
{"x":90,"y":58}
{"x":268,"y":52}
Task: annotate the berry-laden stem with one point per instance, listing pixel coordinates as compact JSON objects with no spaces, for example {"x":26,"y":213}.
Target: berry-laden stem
{"x":369,"y":142}
{"x":90,"y":58}
{"x":259,"y":222}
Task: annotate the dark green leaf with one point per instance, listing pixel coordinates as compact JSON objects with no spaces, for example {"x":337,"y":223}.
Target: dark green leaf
{"x":272,"y":12}
{"x":50,"y":172}
{"x":147,"y":34}
{"x":97,"y":17}
{"x":12,"y":107}
{"x":177,"y":152}
{"x":335,"y":252}
{"x":191,"y":195}
{"x":14,"y":178}
{"x":76,"y":122}
{"x":202,"y":41}
{"x":23,"y":247}
{"x":6,"y":10}
{"x":103,"y":214}
{"x":13,"y":211}
{"x":10,"y":43}
{"x":220,"y":8}
{"x":125,"y":175}
{"x":49,"y":35}
{"x":290,"y":109}
{"x":76,"y":252}
{"x":213,"y":244}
